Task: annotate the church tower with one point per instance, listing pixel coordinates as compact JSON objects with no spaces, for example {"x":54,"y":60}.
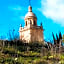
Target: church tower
{"x":31,"y":32}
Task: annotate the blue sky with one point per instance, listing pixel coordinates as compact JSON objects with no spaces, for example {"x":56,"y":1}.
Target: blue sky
{"x":49,"y":12}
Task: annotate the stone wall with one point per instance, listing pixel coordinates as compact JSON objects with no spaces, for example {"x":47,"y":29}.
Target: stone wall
{"x":25,"y":36}
{"x":37,"y":35}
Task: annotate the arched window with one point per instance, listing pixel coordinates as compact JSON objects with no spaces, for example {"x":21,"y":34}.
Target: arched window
{"x":34,"y":22}
{"x":26,"y":23}
{"x":30,"y":22}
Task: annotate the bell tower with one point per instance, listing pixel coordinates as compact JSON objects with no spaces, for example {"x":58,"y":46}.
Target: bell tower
{"x":30,"y":18}
{"x":31,"y":32}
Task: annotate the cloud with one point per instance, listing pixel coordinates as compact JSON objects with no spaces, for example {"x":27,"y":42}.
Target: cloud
{"x":53,"y":9}
{"x":18,"y":18}
{"x":17,"y":12}
{"x":15,"y":8}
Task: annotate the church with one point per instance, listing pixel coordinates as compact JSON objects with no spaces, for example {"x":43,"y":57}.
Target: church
{"x":31,"y":32}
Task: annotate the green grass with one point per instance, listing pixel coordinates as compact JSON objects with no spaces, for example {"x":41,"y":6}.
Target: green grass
{"x":20,"y":55}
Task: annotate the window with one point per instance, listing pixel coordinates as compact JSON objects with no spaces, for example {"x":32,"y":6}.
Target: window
{"x":34,"y":22}
{"x":30,"y":22}
{"x":26,"y":23}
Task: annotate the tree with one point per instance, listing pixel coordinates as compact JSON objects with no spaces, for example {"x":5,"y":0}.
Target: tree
{"x":54,"y":38}
{"x":63,"y":38}
{"x":12,"y":35}
{"x":60,"y":35}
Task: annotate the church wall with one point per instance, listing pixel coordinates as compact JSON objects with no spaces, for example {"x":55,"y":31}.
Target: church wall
{"x":37,"y":35}
{"x":32,"y":35}
{"x":25,"y":36}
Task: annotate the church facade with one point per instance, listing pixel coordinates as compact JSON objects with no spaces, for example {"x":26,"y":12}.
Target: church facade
{"x":31,"y":32}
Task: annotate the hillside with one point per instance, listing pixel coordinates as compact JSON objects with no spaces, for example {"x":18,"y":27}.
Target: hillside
{"x":16,"y":52}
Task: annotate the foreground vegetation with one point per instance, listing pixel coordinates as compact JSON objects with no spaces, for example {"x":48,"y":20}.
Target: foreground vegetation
{"x":16,"y":52}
